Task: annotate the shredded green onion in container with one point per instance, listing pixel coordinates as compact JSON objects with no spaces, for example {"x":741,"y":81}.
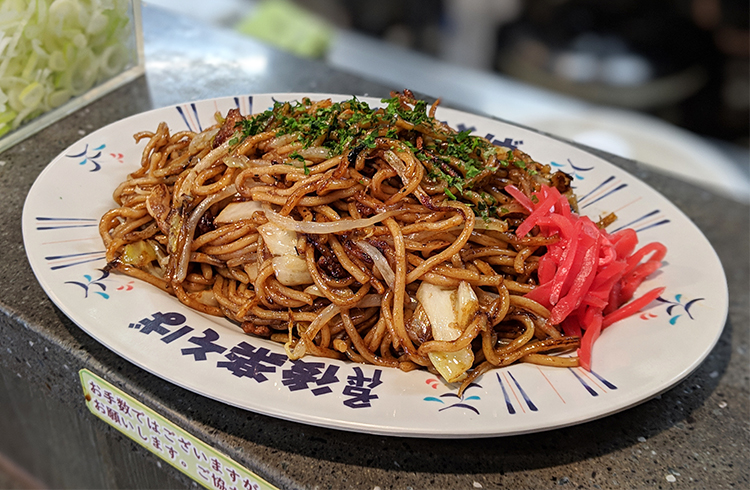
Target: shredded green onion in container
{"x":53,"y":50}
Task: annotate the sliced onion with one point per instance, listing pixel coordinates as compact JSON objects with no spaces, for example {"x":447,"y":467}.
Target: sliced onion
{"x":282,"y":140}
{"x":237,"y":161}
{"x":369,"y":301}
{"x":314,"y":290}
{"x":252,"y":271}
{"x":315,"y":228}
{"x":315,"y":153}
{"x":323,"y":317}
{"x":192,"y":222}
{"x":299,"y":350}
{"x":397,"y":164}
{"x":207,"y":298}
{"x":380,"y":262}
{"x":237,"y":211}
{"x":491,"y":224}
{"x":205,"y":163}
{"x":259,"y":162}
{"x":201,"y":139}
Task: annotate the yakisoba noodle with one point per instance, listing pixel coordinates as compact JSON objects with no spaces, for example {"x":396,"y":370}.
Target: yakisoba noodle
{"x":343,"y":231}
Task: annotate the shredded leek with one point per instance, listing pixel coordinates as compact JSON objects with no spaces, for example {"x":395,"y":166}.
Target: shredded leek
{"x":52,"y":50}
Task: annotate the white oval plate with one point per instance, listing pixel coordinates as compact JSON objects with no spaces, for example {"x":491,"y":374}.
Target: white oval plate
{"x":633,"y":361}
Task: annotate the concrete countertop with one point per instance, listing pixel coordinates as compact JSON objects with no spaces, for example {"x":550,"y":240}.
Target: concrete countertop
{"x":693,"y":436}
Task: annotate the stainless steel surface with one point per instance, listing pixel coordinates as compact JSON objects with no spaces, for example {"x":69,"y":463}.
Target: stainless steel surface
{"x":186,"y":60}
{"x":693,"y":436}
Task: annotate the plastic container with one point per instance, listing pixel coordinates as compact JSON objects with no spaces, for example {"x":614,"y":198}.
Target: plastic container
{"x":56,"y":56}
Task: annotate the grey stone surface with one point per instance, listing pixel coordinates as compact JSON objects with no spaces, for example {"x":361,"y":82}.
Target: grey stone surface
{"x":693,"y":436}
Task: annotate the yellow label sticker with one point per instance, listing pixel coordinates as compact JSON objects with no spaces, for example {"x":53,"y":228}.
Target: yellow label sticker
{"x":162,"y":437}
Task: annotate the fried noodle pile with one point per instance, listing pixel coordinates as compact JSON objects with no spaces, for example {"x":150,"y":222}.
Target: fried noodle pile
{"x":380,"y":235}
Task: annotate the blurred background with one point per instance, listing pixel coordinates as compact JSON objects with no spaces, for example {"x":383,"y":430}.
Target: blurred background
{"x":664,"y":82}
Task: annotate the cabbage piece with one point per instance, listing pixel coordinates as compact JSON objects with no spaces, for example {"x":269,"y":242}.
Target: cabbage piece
{"x":452,"y":366}
{"x":291,"y":270}
{"x":450,"y":310}
{"x":237,"y":211}
{"x":439,"y":304}
{"x":139,"y":254}
{"x":278,"y":240}
{"x":52,"y":50}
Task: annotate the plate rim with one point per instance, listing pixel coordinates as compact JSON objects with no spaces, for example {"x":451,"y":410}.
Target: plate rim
{"x":380,"y":429}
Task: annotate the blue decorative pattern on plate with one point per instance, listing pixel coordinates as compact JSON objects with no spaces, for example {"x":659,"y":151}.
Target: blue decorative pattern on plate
{"x":634,"y":360}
